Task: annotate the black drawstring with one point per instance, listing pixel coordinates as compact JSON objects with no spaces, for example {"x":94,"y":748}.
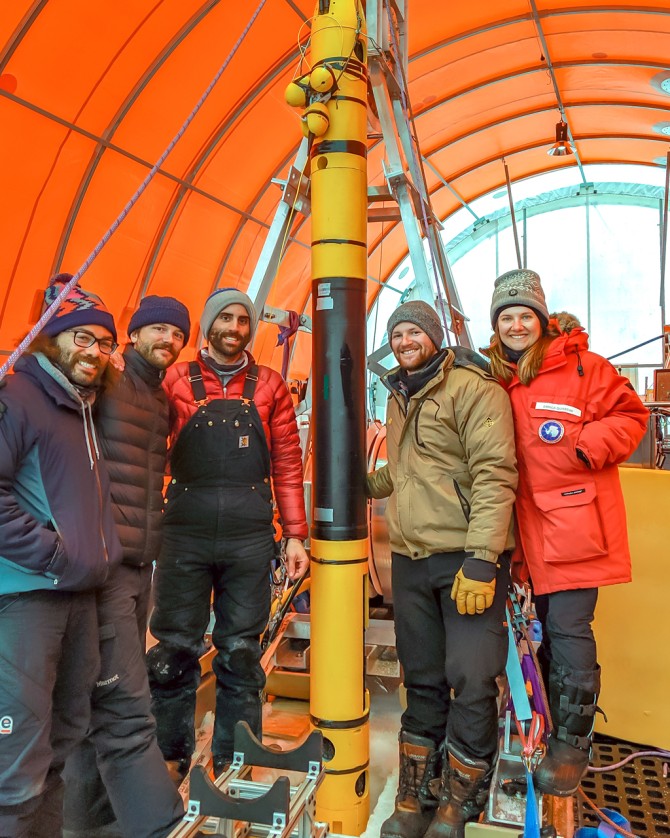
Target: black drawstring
{"x":580,"y":368}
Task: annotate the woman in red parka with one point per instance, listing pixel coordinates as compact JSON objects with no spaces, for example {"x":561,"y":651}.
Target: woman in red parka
{"x":575,"y":420}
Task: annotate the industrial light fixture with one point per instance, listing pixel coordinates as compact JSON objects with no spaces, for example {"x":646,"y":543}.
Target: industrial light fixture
{"x":562,"y":146}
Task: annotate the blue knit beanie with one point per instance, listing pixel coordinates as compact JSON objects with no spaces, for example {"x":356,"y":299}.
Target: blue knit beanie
{"x":155,"y":309}
{"x":79,"y":308}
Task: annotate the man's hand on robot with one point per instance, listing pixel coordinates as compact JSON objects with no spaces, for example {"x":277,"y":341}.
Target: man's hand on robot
{"x":297,"y":560}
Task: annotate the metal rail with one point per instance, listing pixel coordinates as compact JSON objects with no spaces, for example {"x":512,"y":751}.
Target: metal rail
{"x":234,"y":806}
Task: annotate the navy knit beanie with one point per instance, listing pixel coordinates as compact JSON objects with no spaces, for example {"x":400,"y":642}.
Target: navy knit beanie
{"x":221,"y":299}
{"x":79,"y":308}
{"x":155,"y":309}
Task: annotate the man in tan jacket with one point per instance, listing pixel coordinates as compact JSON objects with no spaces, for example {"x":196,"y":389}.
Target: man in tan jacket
{"x":450,"y":482}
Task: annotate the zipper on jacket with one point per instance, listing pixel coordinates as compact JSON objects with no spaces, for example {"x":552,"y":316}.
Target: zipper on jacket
{"x":465,"y":506}
{"x":416,"y":425}
{"x":102,"y":532}
{"x":100,"y":504}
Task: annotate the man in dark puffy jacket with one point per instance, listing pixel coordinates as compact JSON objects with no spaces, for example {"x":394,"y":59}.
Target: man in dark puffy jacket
{"x":57,"y":543}
{"x":132,"y":421}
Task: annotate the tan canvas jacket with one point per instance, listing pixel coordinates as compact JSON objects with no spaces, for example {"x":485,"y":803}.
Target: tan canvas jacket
{"x":451,"y":472}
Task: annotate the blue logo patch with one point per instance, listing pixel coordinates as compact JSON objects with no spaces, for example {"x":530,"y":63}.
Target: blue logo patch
{"x":551,"y":431}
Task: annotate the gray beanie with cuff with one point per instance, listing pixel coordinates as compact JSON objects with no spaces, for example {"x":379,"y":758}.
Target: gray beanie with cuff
{"x":222,"y":298}
{"x":422,"y":315}
{"x":520,"y":287}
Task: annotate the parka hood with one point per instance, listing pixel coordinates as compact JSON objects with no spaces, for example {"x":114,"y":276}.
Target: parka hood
{"x":574,"y":343}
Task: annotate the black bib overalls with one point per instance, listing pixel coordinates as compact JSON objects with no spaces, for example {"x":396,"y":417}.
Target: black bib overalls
{"x":217,"y":536}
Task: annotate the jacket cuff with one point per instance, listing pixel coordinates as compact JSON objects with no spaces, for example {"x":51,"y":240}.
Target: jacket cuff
{"x":485,"y":555}
{"x":582,"y":456}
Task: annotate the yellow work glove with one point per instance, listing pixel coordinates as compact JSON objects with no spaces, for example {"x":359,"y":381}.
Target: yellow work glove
{"x":474,"y":586}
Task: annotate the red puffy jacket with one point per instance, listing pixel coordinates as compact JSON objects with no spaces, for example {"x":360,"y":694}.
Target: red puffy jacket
{"x":570,"y":515}
{"x":275,"y":407}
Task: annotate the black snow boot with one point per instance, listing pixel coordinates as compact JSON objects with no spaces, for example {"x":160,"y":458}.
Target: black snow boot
{"x":414,"y":804}
{"x":465,"y":788}
{"x":178,"y":769}
{"x":572,"y":702}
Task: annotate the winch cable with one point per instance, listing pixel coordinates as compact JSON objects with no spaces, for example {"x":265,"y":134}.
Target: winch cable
{"x":37,"y":328}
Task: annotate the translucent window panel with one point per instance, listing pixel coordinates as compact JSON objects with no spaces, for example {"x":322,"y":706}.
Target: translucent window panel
{"x":557,"y":250}
{"x":616,"y":300}
{"x":625,"y":282}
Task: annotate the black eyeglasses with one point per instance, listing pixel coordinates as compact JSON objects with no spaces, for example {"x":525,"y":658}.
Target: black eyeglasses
{"x":86,"y":339}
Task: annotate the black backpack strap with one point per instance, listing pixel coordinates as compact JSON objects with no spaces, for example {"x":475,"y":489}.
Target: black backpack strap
{"x":250,"y":383}
{"x":197,"y":384}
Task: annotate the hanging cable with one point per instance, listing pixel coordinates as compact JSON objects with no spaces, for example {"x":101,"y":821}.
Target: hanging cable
{"x":619,"y":830}
{"x":32,"y":334}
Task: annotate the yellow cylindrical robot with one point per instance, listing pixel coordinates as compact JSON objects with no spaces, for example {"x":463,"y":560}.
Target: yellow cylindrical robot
{"x":339,"y":704}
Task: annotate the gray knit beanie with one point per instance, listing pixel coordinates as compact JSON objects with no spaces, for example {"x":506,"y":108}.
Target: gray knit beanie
{"x":520,"y":287}
{"x":422,"y":315}
{"x":222,"y":298}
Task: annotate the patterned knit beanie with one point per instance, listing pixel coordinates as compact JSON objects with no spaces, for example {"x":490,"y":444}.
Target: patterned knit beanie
{"x":520,"y":287}
{"x":155,"y":309}
{"x":422,"y":315}
{"x":79,"y":308}
{"x":221,"y":299}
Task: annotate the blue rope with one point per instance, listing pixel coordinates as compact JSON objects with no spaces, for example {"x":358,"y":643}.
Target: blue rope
{"x":37,"y":328}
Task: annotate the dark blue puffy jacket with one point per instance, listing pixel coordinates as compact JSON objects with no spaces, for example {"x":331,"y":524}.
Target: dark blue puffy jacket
{"x":56,"y":525}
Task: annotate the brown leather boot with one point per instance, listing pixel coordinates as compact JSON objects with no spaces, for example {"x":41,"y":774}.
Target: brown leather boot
{"x":465,"y":785}
{"x":414,"y":803}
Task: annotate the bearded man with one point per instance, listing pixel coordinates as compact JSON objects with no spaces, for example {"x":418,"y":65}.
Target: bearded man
{"x":233,"y":432}
{"x":120,"y":762}
{"x":58,"y":543}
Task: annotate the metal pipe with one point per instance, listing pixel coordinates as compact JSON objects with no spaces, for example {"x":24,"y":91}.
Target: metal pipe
{"x":512,"y":214}
{"x":552,"y":75}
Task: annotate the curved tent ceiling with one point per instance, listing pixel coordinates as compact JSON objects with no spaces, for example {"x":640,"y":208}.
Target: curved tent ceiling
{"x":91,"y":94}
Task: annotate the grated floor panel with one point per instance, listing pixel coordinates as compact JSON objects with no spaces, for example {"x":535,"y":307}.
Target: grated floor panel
{"x":640,"y":790}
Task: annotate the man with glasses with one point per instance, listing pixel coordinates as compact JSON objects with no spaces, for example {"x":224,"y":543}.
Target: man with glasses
{"x":57,"y":544}
{"x":132,"y":422}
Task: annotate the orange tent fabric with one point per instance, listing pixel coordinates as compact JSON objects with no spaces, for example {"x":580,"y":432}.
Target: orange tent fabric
{"x":92,"y":93}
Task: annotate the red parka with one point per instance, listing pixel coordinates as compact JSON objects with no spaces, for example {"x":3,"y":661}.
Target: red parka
{"x":275,"y":407}
{"x":570,"y":515}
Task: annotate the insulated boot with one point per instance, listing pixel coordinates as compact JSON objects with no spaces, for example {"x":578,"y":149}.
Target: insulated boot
{"x":465,"y":788}
{"x":220,"y":765}
{"x":178,"y":769}
{"x":414,"y":803}
{"x":572,"y":701}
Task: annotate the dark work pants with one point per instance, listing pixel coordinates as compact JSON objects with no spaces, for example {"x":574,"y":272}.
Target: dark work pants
{"x":130,"y":766}
{"x":443,"y":651}
{"x":195,"y":560}
{"x":49,"y":661}
{"x":568,"y":642}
